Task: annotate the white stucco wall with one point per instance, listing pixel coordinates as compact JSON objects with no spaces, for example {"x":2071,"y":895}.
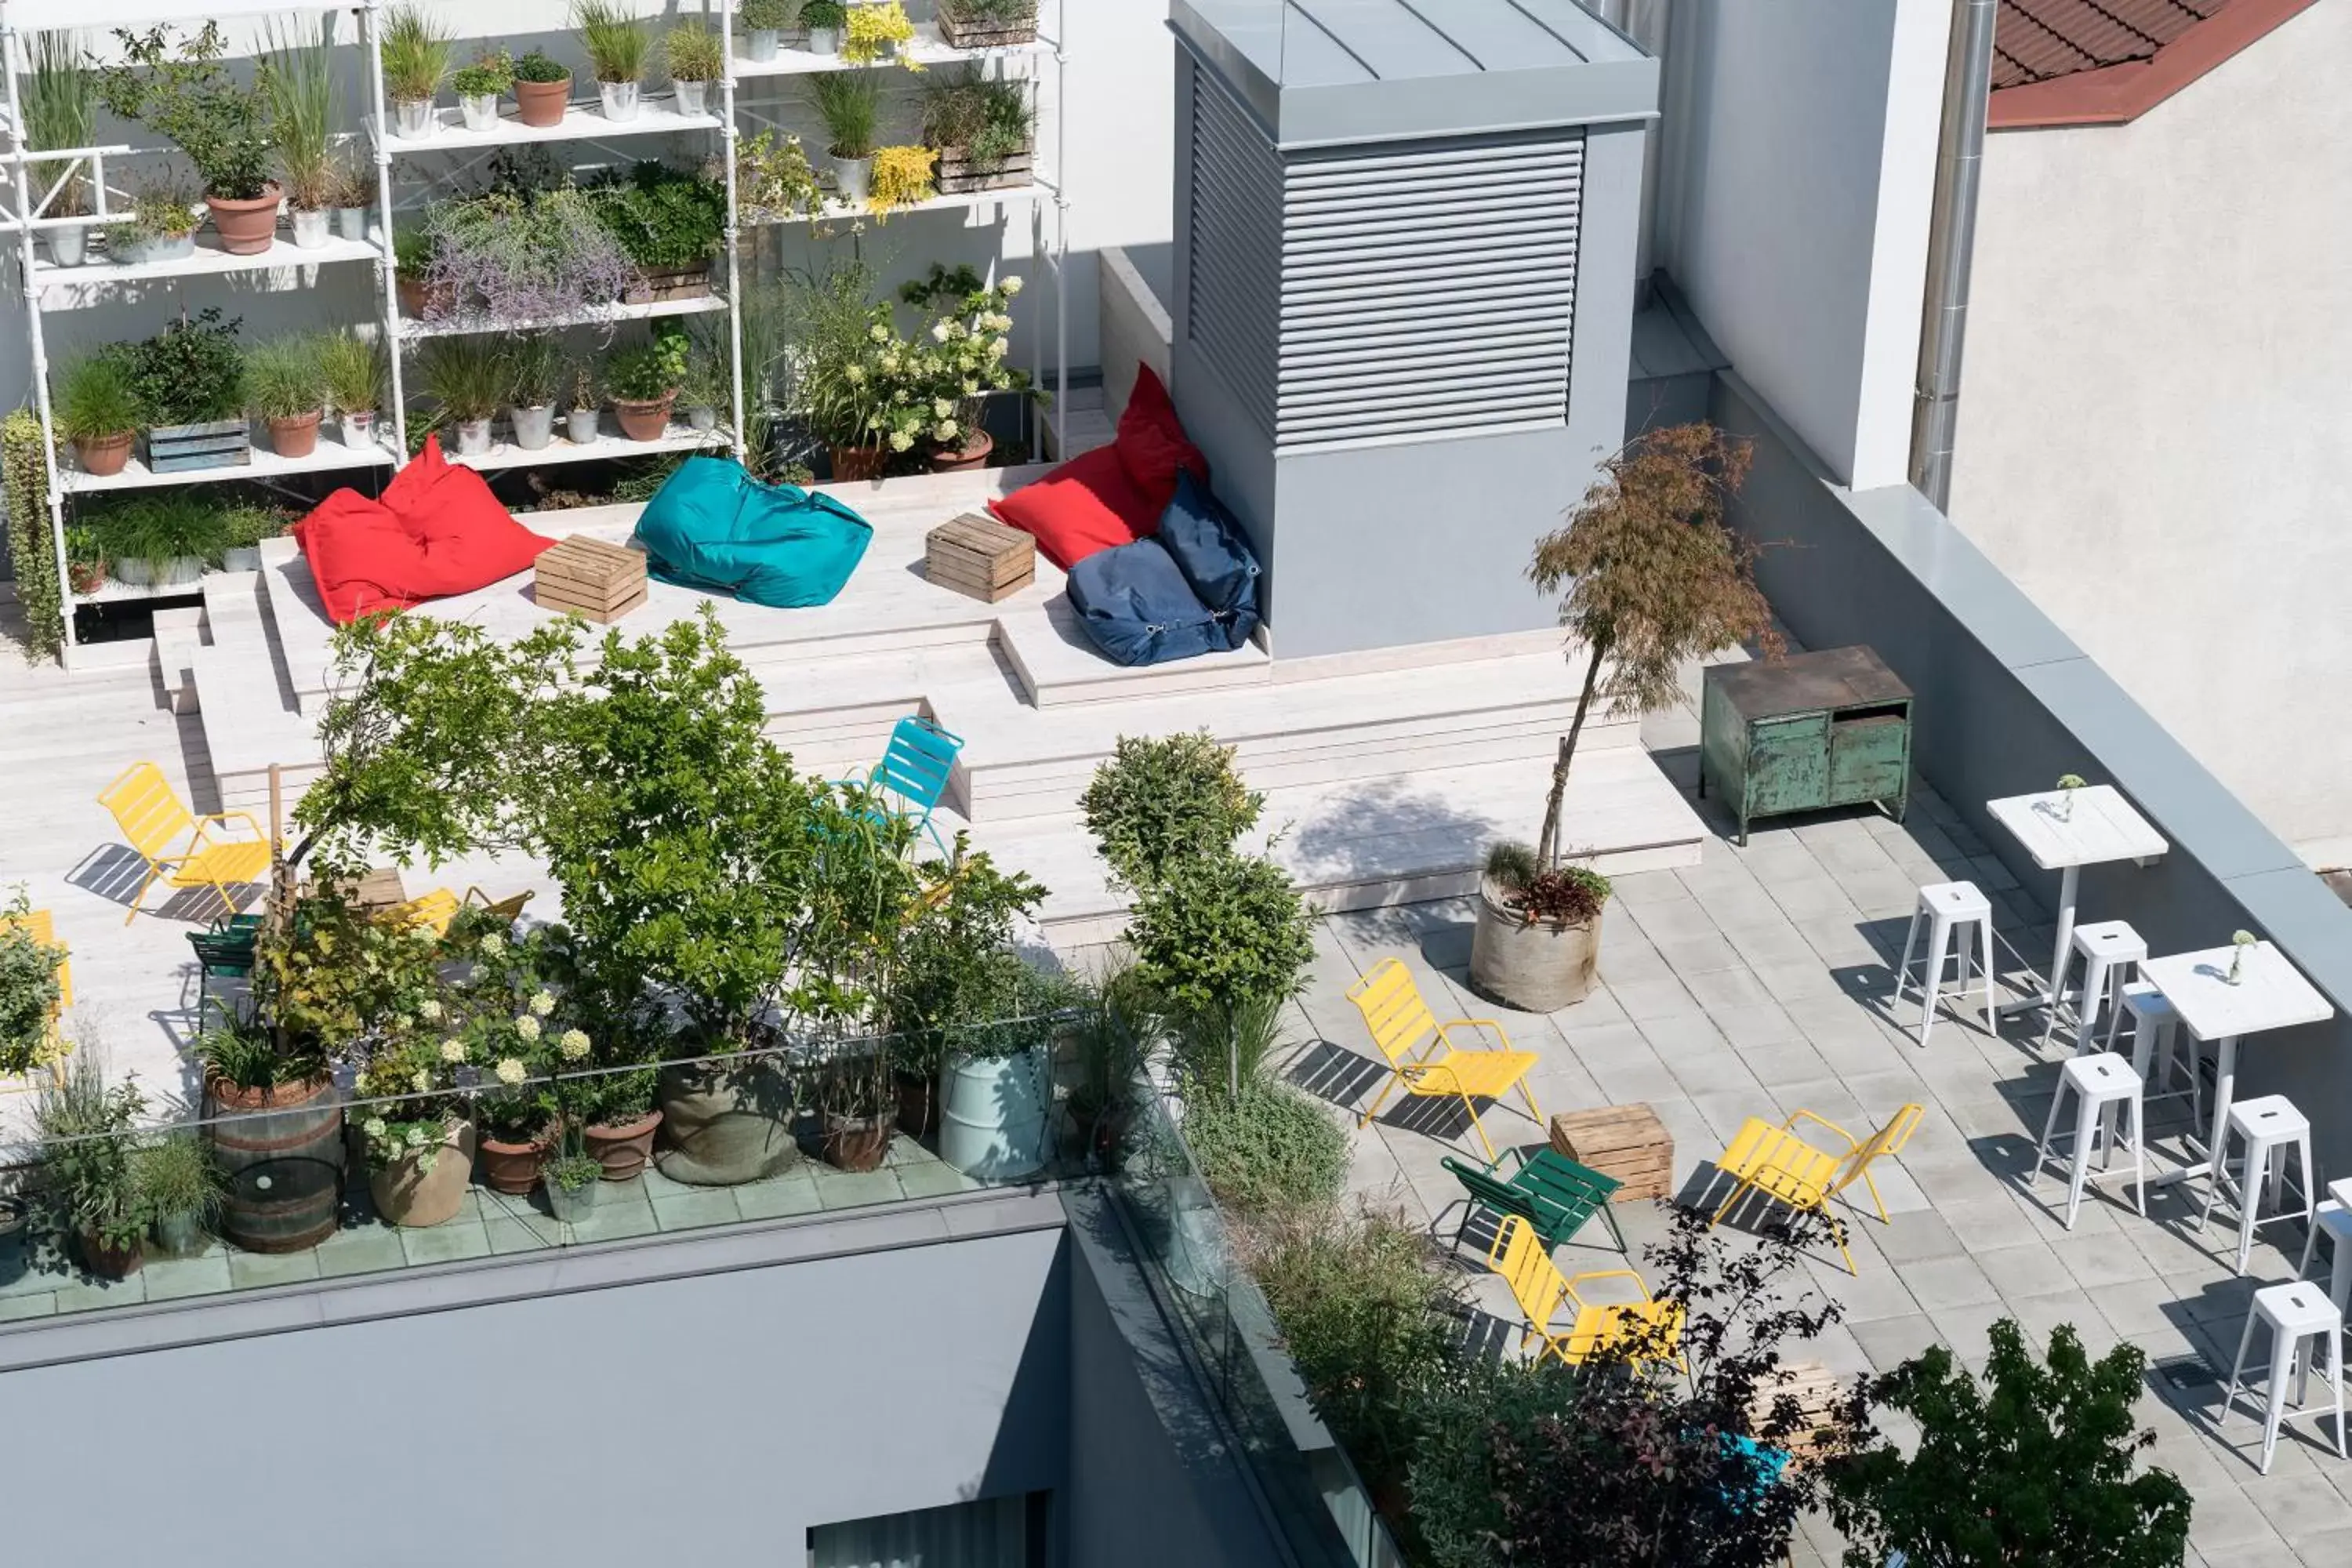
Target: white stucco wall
{"x":2157,"y":402}
{"x":1799,"y":168}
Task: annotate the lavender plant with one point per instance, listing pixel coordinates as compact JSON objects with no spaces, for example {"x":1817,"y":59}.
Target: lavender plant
{"x":512,"y":258}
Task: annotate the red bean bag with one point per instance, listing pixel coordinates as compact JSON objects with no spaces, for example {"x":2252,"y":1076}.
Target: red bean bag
{"x":437,"y":531}
{"x":1113,"y":495}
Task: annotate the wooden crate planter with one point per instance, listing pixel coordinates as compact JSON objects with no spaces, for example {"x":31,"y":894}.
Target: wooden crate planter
{"x":958,"y":174}
{"x":176,"y":449}
{"x":1627,"y":1142}
{"x":589,"y":578}
{"x":958,"y":35}
{"x":979,"y":558}
{"x":677,"y":283}
{"x":1820,"y":1396}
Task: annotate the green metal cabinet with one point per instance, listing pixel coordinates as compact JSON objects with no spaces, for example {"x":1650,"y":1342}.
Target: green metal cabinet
{"x":1813,"y":730}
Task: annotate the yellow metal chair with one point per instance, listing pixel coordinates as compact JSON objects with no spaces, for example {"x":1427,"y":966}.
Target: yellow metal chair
{"x":1646,"y":1330}
{"x":1421,"y":1055}
{"x":1784,"y":1167}
{"x":435,"y":910}
{"x":177,"y":845}
{"x":44,"y":930}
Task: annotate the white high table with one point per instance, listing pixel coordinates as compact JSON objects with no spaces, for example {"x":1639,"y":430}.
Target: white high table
{"x":2271,"y":994}
{"x":2097,"y":826}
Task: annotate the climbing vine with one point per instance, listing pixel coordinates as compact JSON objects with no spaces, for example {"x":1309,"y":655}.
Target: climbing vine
{"x":23,"y":494}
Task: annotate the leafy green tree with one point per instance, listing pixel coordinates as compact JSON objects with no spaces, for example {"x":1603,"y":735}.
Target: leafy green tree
{"x":1221,"y":939}
{"x":1161,"y":798}
{"x":2031,"y":1465}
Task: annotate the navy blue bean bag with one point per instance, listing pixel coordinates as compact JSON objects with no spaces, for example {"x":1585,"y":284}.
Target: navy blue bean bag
{"x":711,"y":526}
{"x":1191,"y":588}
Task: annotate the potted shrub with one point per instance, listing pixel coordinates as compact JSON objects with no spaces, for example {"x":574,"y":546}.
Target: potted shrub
{"x":695,"y":57}
{"x":572,"y":1179}
{"x":31,"y":989}
{"x":534,"y":376}
{"x":89,"y":1193}
{"x":1538,"y":939}
{"x":823,"y":21}
{"x":243,"y":528}
{"x":1115,"y":1028}
{"x":466,"y":376}
{"x":727,"y":1118}
{"x":616,"y":45}
{"x":614,"y":1109}
{"x":873,"y":33}
{"x":669,"y":223}
{"x":764,"y":22}
{"x":984,"y":132}
{"x":849,"y":103}
{"x":297,"y":76}
{"x":189,"y":378}
{"x":898,"y":177}
{"x":503,"y":259}
{"x":350,"y":196}
{"x":60,"y":102}
{"x":840,"y":389}
{"x":513,"y":1128}
{"x":224,"y":129}
{"x":580,"y":416}
{"x":1653,"y":580}
{"x":480,"y":85}
{"x":163,"y":540}
{"x":352,"y":372}
{"x":86,"y":560}
{"x":501,"y":1022}
{"x":643,"y":381}
{"x":418,"y":1144}
{"x":857,"y":1104}
{"x":774,"y":180}
{"x":96,"y":406}
{"x":182,"y":1188}
{"x":959,"y":356}
{"x":986,"y":24}
{"x":161,"y":227}
{"x":415,"y":57}
{"x":286,"y":387}
{"x":542,"y":89}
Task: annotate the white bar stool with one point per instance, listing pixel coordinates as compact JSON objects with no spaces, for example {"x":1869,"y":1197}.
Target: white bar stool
{"x":2333,"y":1219}
{"x":2156,"y":1039}
{"x":2112,"y":954}
{"x":2269,"y":1125}
{"x":2100,"y":1081}
{"x":2293,"y":1313}
{"x":1947,"y":906}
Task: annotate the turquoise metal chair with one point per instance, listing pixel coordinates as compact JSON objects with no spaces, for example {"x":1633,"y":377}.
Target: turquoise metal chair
{"x":912,"y":776}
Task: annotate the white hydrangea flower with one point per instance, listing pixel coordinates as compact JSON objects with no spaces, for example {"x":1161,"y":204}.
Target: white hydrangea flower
{"x":453,"y":1050}
{"x":879,"y":334}
{"x":942,"y":407}
{"x":573,"y":1044}
{"x":414,"y":1136}
{"x":949,"y":430}
{"x":857,"y":374}
{"x":997,"y":348}
{"x":527,"y":1026}
{"x":372,"y":1126}
{"x":940,"y":330}
{"x":543,"y":1003}
{"x":900,"y":440}
{"x":493,"y":944}
{"x":972,"y":386}
{"x":1011,"y":286}
{"x":511,"y":1071}
{"x":421,"y":1081}
{"x":429,"y":1010}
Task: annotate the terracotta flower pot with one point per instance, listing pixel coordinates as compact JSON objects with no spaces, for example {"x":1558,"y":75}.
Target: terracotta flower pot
{"x":542,"y":103}
{"x":295,"y":437}
{"x":917,"y":1103}
{"x":858,"y":462}
{"x":972,"y":454}
{"x":622,"y":1148}
{"x":406,"y":1194}
{"x":419,"y":298}
{"x":858,"y":1143}
{"x":643,"y":421}
{"x":104,"y":455}
{"x":512,"y":1168}
{"x":108,"y":1262}
{"x":1535,"y":968}
{"x":246,"y":227}
{"x":86,"y":576}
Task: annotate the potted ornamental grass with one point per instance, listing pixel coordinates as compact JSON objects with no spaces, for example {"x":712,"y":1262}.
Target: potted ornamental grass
{"x":764,"y":22}
{"x":479,"y":84}
{"x":286,"y":387}
{"x":695,"y":57}
{"x":352,"y":374}
{"x":96,"y":406}
{"x":466,"y":374}
{"x":573,"y":1177}
{"x":583,"y":403}
{"x":184,"y":1189}
{"x":645,"y":382}
{"x":534,"y":378}
{"x":824,"y":21}
{"x":849,"y":102}
{"x":415,"y":59}
{"x":616,"y":44}
{"x":297,"y":76}
{"x":1651,"y":579}
{"x":89,"y":1195}
{"x":163,"y":540}
{"x":984,"y":132}
{"x":542,"y":89}
{"x":223,"y":127}
{"x":58,"y":96}
{"x":350,"y":194}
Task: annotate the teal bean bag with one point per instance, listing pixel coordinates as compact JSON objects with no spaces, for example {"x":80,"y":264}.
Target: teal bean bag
{"x":712,"y":526}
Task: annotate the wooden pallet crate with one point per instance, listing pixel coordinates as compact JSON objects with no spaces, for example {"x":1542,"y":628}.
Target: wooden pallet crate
{"x":1819,"y":1394}
{"x":959,"y":34}
{"x":1627,"y":1142}
{"x":958,"y":173}
{"x":176,"y":449}
{"x":676,"y":283}
{"x":589,"y":578}
{"x":979,"y":558}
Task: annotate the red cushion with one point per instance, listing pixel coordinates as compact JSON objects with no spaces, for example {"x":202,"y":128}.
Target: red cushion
{"x":1086,"y":504}
{"x":360,"y":556}
{"x":1151,"y":444}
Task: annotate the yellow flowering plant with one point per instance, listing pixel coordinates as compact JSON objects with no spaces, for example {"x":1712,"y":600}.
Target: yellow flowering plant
{"x":874,"y":32}
{"x":901,"y":178}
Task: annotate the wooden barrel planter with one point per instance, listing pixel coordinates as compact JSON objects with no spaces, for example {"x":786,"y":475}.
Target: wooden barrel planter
{"x":284,"y":1168}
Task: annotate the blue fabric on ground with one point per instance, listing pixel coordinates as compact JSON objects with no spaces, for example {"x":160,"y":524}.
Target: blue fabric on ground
{"x":1136,"y":608}
{"x":1210,"y":548}
{"x":714,"y":527}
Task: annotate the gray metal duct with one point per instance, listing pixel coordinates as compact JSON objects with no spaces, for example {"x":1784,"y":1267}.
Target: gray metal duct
{"x":1951,"y":247}
{"x":1646,"y":22}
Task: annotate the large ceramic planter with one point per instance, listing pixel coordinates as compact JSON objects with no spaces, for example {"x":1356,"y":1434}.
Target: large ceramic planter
{"x":622,"y":1148}
{"x":726,"y":1122}
{"x":281,"y":1150}
{"x":1534,"y":968}
{"x":542,"y":103}
{"x":511,"y":1168}
{"x":408,"y":1193}
{"x":993,"y":1112}
{"x":859,"y":1142}
{"x":246,"y":227}
{"x":104,"y":455}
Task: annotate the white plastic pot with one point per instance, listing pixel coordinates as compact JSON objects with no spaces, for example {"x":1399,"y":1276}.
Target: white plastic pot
{"x":619,"y":99}
{"x":992,"y":1113}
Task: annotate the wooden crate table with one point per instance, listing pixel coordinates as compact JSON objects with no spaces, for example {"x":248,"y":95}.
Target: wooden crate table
{"x":589,"y":578}
{"x":979,"y":558}
{"x":1819,"y":1393}
{"x":1627,"y":1142}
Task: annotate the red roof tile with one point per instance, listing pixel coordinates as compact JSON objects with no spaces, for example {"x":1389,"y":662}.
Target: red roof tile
{"x":2108,"y":62}
{"x":2039,"y":41}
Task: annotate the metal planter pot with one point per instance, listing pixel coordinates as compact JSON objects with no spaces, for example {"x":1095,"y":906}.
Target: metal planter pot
{"x":533,"y":427}
{"x":350,"y":223}
{"x":68,"y":247}
{"x":853,"y":177}
{"x":312,"y":229}
{"x":473,"y":437}
{"x":762,"y":43}
{"x":571,"y":1204}
{"x":691,"y":96}
{"x":994,"y":1113}
{"x":413,"y":118}
{"x":481,"y":111}
{"x":580,"y":426}
{"x":619,"y":99}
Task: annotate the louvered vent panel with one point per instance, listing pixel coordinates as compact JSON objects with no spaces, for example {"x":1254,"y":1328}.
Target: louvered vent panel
{"x":1425,"y":291}
{"x":1234,"y":300}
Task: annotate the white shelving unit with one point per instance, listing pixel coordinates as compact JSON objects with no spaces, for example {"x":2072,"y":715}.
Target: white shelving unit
{"x":33,"y":178}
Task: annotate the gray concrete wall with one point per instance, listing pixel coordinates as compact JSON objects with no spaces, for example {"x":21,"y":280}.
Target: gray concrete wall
{"x":2155,"y":404}
{"x":2006,"y":702}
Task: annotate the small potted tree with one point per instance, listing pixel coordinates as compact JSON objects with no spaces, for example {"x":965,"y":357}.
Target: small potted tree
{"x":645,"y":382}
{"x":415,"y":59}
{"x":764,"y":22}
{"x":97,"y":408}
{"x":480,"y":84}
{"x":849,"y":103}
{"x":695,"y":57}
{"x":299,"y":76}
{"x":824,"y":22}
{"x":223,"y":128}
{"x":616,"y":45}
{"x":286,"y":387}
{"x":542,"y":89}
{"x":351,"y":370}
{"x":1650,"y":579}
{"x":534,"y":378}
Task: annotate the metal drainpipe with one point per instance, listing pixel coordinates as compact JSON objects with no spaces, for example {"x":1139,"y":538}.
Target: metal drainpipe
{"x":1951,"y":248}
{"x":1647,"y":23}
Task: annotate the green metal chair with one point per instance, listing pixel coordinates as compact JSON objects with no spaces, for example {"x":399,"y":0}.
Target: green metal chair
{"x":1549,"y":1191}
{"x":226,"y":952}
